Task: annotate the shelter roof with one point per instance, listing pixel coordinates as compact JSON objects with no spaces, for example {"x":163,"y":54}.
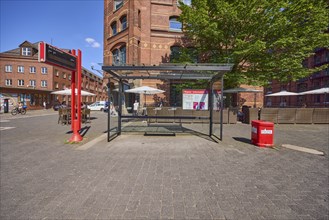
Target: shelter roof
{"x":169,"y":71}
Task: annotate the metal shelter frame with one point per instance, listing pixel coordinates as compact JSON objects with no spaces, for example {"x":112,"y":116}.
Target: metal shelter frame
{"x":170,"y":71}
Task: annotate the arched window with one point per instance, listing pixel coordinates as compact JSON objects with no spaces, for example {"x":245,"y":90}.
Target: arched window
{"x":174,"y":24}
{"x":123,"y":22}
{"x":116,"y":59}
{"x":114,"y":28}
{"x":123,"y":55}
{"x":119,"y":56}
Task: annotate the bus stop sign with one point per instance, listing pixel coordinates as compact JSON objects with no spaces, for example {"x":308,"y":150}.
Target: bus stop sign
{"x":53,"y":55}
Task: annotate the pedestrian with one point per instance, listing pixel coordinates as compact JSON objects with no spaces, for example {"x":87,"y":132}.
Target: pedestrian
{"x":20,"y":106}
{"x":136,"y":106}
{"x":44,"y":105}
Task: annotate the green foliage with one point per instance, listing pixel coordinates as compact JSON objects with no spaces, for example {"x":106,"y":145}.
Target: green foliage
{"x":263,"y":39}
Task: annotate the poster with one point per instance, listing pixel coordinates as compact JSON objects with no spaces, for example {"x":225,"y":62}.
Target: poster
{"x":198,"y":99}
{"x":195,"y":99}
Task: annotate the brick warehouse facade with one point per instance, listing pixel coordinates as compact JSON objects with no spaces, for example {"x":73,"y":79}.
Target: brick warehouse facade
{"x":315,"y":81}
{"x":24,"y":79}
{"x":146,"y":32}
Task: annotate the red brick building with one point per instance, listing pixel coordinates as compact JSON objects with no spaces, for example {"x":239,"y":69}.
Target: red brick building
{"x":24,"y":79}
{"x":315,"y":81}
{"x":143,"y":32}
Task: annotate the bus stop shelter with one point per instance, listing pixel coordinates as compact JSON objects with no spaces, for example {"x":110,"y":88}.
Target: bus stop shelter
{"x":211,"y":72}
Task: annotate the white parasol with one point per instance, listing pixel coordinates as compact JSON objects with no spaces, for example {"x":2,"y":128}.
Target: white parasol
{"x":146,"y":90}
{"x":68,"y":92}
{"x":283,"y":93}
{"x":316,"y":91}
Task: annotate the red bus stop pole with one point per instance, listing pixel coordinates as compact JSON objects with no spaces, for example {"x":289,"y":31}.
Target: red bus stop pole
{"x":76,"y":125}
{"x":79,"y":89}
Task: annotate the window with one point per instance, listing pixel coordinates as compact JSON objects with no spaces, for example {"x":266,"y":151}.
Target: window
{"x":123,"y":21}
{"x":9,"y":82}
{"x":20,"y":69}
{"x":326,"y":72}
{"x":115,"y":54}
{"x":26,"y":51}
{"x":33,"y":69}
{"x":63,"y":86}
{"x":119,"y":56}
{"x":123,"y":55}
{"x":56,"y":85}
{"x":43,"y":83}
{"x":114,"y":28}
{"x":317,"y":98}
{"x":33,"y":83}
{"x":69,"y":77}
{"x":174,"y":24}
{"x":57,"y":73}
{"x":174,"y":53}
{"x":117,"y":4}
{"x":64,"y":75}
{"x":317,"y":59}
{"x":316,"y":84}
{"x":8,"y":68}
{"x":139,"y":19}
{"x":20,"y":82}
{"x":302,"y":87}
{"x":44,"y":70}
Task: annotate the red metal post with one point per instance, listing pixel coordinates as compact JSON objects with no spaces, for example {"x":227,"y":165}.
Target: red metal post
{"x":73,"y":96}
{"x":75,"y":122}
{"x":79,"y":89}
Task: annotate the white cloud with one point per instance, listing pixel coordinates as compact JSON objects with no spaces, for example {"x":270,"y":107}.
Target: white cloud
{"x":92,"y":42}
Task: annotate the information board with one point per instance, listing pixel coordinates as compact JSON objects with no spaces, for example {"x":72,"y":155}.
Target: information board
{"x":52,"y":55}
{"x":198,"y":99}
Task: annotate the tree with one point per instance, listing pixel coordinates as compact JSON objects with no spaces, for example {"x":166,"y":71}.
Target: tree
{"x":264,"y":39}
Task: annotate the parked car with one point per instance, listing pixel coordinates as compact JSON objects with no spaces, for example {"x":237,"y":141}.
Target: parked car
{"x":97,"y":106}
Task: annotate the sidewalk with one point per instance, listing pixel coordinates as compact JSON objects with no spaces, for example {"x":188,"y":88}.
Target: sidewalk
{"x":29,"y":113}
{"x":152,"y":177}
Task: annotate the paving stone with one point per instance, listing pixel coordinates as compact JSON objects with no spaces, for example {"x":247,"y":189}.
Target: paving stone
{"x":182,"y":177}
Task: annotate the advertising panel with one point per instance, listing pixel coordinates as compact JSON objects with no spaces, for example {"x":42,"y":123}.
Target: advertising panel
{"x":195,"y":99}
{"x":198,"y":99}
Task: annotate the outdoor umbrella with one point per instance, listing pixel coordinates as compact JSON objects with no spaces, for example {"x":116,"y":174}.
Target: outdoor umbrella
{"x":68,"y":92}
{"x":316,"y":91}
{"x":324,"y":91}
{"x":146,"y":90}
{"x":283,"y":93}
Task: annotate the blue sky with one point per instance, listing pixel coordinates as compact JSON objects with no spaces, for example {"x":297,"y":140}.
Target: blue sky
{"x":69,"y":24}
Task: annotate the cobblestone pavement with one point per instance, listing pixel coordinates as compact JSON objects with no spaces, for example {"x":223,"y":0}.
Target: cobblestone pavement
{"x":152,"y":177}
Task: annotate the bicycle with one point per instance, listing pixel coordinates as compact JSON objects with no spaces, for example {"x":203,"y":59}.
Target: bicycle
{"x":16,"y":110}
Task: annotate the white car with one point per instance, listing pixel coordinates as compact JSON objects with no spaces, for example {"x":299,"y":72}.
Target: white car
{"x":97,"y":106}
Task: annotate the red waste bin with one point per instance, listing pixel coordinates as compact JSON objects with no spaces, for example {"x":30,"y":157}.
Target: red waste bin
{"x":262,"y":133}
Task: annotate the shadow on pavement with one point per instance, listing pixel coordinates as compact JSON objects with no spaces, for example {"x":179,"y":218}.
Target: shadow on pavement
{"x":82,"y":132}
{"x":243,"y":140}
